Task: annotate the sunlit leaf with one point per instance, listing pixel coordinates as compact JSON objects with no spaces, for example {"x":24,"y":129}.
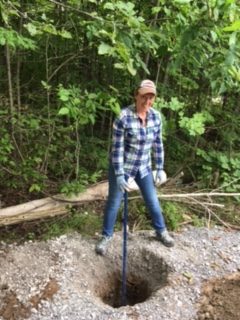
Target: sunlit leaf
{"x":104,"y":48}
{"x":235,"y":26}
{"x":63,"y":111}
{"x":182,"y":1}
{"x":65,"y":34}
{"x":131,"y":69}
{"x":32,"y":29}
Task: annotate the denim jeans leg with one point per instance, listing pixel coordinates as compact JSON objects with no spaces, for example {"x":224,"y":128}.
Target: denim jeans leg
{"x":113,"y":203}
{"x":149,"y":194}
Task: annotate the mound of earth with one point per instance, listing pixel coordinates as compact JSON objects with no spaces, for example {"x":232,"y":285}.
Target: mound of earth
{"x":220,"y":299}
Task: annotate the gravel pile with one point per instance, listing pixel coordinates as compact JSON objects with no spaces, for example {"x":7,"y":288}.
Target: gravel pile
{"x":64,"y":279}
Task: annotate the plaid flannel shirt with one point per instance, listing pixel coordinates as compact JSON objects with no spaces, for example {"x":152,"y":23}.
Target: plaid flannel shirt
{"x":132,"y":143}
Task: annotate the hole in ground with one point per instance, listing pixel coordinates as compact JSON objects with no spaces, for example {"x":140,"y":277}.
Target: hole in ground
{"x":137,"y":290}
{"x":146,"y":273}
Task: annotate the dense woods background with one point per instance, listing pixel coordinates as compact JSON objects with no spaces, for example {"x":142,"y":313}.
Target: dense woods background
{"x":67,"y":67}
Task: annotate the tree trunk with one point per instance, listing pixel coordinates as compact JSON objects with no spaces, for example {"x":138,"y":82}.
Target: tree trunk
{"x":10,"y":87}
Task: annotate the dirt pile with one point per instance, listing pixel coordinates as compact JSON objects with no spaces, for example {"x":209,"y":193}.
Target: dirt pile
{"x":220,"y":299}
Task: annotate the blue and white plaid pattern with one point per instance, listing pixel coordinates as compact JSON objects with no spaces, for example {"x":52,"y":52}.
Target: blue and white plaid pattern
{"x":132,"y":143}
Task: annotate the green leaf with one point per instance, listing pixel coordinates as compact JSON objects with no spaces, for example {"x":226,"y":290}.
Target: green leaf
{"x":63,"y":111}
{"x":156,"y":10}
{"x":92,"y":119}
{"x":215,"y":13}
{"x":126,"y":8}
{"x":182,"y":1}
{"x":32,"y":29}
{"x":45,"y":85}
{"x":130,"y":68}
{"x":235,"y":73}
{"x":105,"y":48}
{"x":64,"y":94}
{"x":232,"y":39}
{"x":133,"y":22}
{"x":49,"y":28}
{"x":35,"y":187}
{"x":2,"y":40}
{"x":109,"y":6}
{"x":214,"y":35}
{"x":44,"y":17}
{"x":235,"y":26}
{"x":34,"y":123}
{"x":65,"y":34}
{"x":119,"y":65}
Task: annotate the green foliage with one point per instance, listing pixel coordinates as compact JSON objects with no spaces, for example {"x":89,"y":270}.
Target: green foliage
{"x":86,"y":223}
{"x":76,"y":186}
{"x":220,"y":170}
{"x":8,"y":9}
{"x":36,"y":29}
{"x":173,"y":213}
{"x":198,"y":222}
{"x":138,"y":216}
{"x":83,"y":106}
{"x":195,"y":125}
{"x":74,"y":105}
{"x":71,"y":67}
{"x":122,"y":36}
{"x":6,"y":147}
{"x":235,"y":26}
{"x":15,"y":40}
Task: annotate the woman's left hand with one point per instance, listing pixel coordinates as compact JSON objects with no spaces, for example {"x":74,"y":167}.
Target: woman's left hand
{"x":160,"y":177}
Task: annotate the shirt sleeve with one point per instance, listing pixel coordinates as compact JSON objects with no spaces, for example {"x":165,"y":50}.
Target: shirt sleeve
{"x":158,"y":150}
{"x":117,"y":155}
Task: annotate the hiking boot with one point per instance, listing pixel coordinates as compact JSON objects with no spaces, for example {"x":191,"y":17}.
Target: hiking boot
{"x":102,"y":245}
{"x":165,"y":238}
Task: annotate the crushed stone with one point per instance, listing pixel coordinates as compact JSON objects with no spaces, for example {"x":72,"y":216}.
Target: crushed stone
{"x":63,"y":278}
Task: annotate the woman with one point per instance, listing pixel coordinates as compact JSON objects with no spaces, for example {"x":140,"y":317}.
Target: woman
{"x":136,"y":133}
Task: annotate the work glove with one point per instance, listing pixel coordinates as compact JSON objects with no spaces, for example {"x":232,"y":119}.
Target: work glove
{"x":122,"y":183}
{"x":160,"y":177}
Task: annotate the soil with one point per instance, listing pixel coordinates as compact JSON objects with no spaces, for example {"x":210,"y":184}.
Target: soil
{"x":220,"y":299}
{"x":63,"y":278}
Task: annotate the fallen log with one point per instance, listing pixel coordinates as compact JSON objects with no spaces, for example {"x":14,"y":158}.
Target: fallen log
{"x":60,"y":204}
{"x":50,"y":206}
{"x":53,"y":206}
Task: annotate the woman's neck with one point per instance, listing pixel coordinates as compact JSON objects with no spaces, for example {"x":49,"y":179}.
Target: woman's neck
{"x":143,"y":117}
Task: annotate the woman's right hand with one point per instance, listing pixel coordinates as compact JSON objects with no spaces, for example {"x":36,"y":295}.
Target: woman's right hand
{"x":122,"y":183}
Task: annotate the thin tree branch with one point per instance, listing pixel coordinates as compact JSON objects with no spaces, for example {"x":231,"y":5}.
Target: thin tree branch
{"x":60,"y":66}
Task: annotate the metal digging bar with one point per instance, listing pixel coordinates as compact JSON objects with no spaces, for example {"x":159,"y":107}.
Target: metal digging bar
{"x":124,"y":258}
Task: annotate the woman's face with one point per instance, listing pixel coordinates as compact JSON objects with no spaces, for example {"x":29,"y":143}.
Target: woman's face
{"x":144,"y":102}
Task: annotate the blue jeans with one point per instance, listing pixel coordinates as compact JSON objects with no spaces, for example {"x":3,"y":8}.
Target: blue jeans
{"x":115,"y":196}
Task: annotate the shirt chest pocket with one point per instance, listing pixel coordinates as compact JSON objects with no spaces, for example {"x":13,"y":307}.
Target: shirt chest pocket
{"x":132,"y":135}
{"x":152,"y":133}
{"x":136,"y":137}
